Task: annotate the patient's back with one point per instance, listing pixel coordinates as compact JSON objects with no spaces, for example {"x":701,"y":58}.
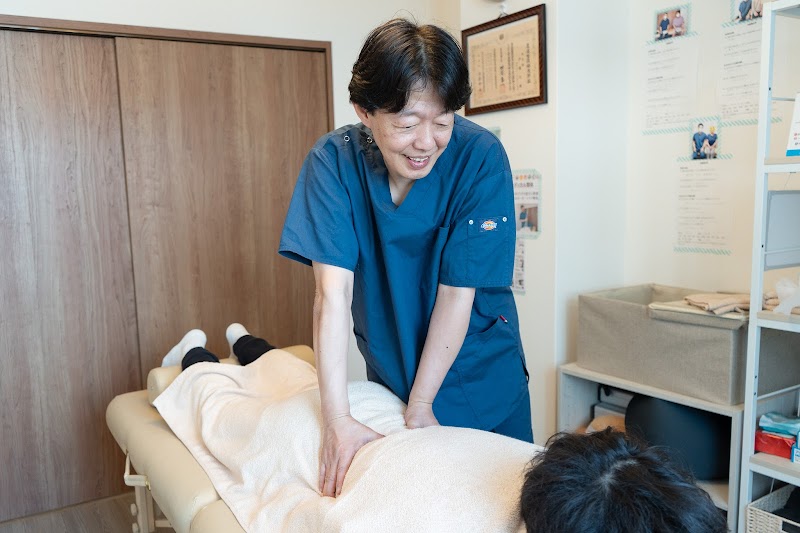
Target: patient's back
{"x":434,"y":479}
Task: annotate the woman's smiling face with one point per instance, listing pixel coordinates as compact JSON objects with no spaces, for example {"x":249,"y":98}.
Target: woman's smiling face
{"x":413,"y":139}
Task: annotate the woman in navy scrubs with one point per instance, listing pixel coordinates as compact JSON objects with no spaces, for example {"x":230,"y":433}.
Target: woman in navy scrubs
{"x":408,"y":221}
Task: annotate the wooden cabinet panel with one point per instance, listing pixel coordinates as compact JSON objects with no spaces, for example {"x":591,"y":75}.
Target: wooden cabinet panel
{"x":214,"y":139}
{"x":68,"y":338}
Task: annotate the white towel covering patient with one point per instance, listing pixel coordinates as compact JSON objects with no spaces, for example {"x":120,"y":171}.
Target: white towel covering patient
{"x":256,"y":431}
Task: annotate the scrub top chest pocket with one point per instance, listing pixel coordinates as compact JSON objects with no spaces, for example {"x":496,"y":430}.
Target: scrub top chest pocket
{"x":488,"y":239}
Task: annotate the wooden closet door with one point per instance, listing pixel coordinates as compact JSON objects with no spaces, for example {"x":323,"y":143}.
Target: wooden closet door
{"x":68,"y":340}
{"x":215,"y":136}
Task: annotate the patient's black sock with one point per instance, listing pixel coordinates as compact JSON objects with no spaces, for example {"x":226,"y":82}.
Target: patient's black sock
{"x":248,"y":348}
{"x":198,"y":355}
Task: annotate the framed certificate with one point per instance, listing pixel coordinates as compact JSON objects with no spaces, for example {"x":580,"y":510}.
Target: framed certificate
{"x":507,"y":62}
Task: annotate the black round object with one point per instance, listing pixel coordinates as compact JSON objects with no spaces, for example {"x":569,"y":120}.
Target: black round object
{"x":699,"y":439}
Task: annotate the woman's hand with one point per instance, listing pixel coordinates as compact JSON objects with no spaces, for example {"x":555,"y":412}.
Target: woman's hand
{"x":342,"y":437}
{"x":419,"y":414}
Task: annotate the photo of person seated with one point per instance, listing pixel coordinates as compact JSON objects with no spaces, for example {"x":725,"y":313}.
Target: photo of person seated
{"x":698,"y":142}
{"x":748,"y":10}
{"x":710,"y":144}
{"x":269,"y":402}
{"x":678,"y":23}
{"x":663,"y":27}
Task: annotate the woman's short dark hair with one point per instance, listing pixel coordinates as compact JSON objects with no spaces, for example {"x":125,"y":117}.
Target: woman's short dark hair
{"x":606,"y":482}
{"x":399,"y":57}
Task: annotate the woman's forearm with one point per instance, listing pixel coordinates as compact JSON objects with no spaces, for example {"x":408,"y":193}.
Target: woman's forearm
{"x":332,"y":300}
{"x":446,"y":333}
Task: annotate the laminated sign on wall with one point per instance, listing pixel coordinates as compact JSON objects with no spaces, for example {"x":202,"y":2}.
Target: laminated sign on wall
{"x":793,"y":148}
{"x":527,"y":187}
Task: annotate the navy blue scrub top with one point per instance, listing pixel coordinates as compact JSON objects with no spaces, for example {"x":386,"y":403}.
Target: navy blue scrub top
{"x":455,"y":227}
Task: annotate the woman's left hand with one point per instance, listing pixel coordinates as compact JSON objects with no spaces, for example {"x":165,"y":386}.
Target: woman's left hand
{"x":420,"y":415}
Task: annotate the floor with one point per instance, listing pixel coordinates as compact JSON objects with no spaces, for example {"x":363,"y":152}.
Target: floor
{"x":109,"y":515}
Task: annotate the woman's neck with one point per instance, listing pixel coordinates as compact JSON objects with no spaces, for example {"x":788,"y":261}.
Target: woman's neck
{"x":399,"y":189}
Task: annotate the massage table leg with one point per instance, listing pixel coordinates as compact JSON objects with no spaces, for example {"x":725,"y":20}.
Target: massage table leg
{"x":143,"y":509}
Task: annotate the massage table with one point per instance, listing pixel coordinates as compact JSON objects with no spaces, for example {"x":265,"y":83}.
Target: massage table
{"x":166,"y":474}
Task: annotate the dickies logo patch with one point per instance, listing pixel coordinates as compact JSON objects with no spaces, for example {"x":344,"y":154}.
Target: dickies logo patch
{"x":489,"y":225}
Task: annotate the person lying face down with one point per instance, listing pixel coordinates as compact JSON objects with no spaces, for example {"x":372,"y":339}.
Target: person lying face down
{"x":606,"y":482}
{"x":257,"y":432}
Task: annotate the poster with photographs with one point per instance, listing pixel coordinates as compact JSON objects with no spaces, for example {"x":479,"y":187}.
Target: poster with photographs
{"x":518,"y":280}
{"x":671,"y":59}
{"x":527,"y":187}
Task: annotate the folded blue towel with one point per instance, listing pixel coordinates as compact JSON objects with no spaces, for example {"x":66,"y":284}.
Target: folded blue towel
{"x":777,"y":423}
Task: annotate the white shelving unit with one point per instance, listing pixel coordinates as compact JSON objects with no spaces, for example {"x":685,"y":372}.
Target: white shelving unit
{"x":752,"y":463}
{"x":578,"y":388}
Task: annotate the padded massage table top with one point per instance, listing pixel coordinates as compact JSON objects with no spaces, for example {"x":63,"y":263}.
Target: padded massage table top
{"x":178,"y":484}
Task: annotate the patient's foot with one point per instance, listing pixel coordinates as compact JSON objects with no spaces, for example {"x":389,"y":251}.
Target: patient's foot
{"x":244,"y":347}
{"x":235,"y":332}
{"x":194,"y":339}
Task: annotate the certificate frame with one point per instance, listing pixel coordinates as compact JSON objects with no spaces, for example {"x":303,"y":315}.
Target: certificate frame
{"x":502,"y":76}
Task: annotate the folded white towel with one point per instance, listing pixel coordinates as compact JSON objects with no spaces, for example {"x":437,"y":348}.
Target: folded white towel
{"x":256,"y":431}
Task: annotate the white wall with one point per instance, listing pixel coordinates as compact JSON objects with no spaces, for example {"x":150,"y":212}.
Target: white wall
{"x":345,"y":23}
{"x":652,"y":167}
{"x":592,"y":111}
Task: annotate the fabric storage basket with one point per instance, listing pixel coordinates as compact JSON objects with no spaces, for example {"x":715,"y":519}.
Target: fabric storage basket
{"x":688,"y":353}
{"x":647,"y":334}
{"x":759,"y":513}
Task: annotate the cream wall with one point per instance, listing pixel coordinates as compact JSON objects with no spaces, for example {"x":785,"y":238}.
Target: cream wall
{"x":592,"y":111}
{"x":652,"y":168}
{"x":345,"y":23}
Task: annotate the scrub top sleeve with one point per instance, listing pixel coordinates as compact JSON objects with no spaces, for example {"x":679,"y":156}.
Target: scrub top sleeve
{"x":479,"y":251}
{"x":319,"y":223}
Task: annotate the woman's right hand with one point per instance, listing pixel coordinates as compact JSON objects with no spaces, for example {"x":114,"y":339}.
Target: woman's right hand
{"x":342,"y":437}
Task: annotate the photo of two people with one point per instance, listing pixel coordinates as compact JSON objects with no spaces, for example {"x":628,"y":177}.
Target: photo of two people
{"x":748,"y":10}
{"x":705,"y":141}
{"x":670,"y":24}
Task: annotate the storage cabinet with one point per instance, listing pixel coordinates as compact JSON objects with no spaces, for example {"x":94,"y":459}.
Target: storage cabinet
{"x":214,"y":139}
{"x":68,"y":339}
{"x":144,"y":178}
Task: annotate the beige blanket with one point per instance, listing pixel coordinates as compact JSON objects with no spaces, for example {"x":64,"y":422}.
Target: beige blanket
{"x":256,"y":432}
{"x":720,"y":303}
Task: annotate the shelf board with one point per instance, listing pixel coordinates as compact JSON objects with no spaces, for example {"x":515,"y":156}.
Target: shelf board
{"x":787,"y":8}
{"x":718,"y":490}
{"x":781,"y":165}
{"x":573,"y":369}
{"x":776,"y":467}
{"x":768,"y":319}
